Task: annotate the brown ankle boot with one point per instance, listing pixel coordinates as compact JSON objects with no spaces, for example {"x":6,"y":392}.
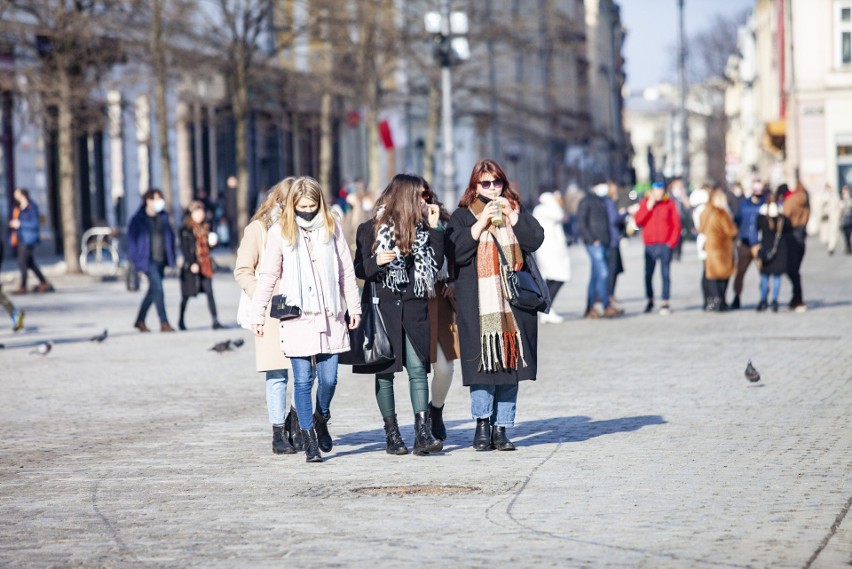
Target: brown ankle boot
{"x":166,"y":327}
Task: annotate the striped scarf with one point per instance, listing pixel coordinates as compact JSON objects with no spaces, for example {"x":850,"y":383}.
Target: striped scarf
{"x":499,"y":335}
{"x":202,"y":250}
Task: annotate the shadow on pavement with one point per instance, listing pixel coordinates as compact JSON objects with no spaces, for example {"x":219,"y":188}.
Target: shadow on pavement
{"x":529,"y":433}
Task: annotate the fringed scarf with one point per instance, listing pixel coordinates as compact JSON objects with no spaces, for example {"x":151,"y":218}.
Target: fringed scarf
{"x":202,"y":249}
{"x":425,"y":266}
{"x":500,"y":338}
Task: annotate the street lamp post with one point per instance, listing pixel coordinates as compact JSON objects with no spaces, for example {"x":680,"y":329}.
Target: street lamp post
{"x":684,"y":134}
{"x":448,"y":29}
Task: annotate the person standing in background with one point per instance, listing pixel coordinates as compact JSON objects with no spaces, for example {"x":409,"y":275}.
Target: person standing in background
{"x":846,"y":217}
{"x":24,"y":238}
{"x":196,"y":274}
{"x":660,"y":222}
{"x":826,"y":217}
{"x":796,"y":207}
{"x":718,"y":227}
{"x":746,"y":220}
{"x":15,"y":314}
{"x":151,"y":248}
{"x":594,"y":229}
{"x":553,"y":258}
{"x":617,"y":219}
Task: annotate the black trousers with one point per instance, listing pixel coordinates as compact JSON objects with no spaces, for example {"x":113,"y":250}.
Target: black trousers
{"x":26,"y":263}
{"x":847,"y":237}
{"x":205,"y":285}
{"x":553,"y":287}
{"x":795,"y":255}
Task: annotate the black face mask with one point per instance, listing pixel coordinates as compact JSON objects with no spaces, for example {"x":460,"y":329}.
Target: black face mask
{"x":307,"y":215}
{"x":484,"y":199}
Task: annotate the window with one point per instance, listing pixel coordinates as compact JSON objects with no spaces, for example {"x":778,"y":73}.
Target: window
{"x":843,"y":34}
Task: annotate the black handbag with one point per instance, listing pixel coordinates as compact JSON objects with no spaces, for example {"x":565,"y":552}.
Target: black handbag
{"x":369,"y":343}
{"x":524,"y":292}
{"x":283,"y":311}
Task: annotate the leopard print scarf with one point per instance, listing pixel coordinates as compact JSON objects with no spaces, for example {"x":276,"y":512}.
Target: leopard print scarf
{"x":425,"y":266}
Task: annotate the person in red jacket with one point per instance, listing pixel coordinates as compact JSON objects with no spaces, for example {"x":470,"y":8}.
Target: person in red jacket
{"x":658,"y":217}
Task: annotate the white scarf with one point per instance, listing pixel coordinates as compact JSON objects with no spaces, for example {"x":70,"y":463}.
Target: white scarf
{"x":425,"y":266}
{"x":297,"y":275}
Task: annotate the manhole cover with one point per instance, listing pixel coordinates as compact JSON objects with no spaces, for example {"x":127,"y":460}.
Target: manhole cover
{"x":415,"y":490}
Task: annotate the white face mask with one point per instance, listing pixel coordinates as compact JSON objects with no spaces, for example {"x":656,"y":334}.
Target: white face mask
{"x":772,"y":210}
{"x":159,"y":205}
{"x":601,"y":191}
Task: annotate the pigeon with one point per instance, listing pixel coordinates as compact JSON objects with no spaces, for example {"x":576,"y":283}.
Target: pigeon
{"x":100,"y":337}
{"x":43,"y":349}
{"x":238,"y":343}
{"x":751,"y":373}
{"x":222,"y":347}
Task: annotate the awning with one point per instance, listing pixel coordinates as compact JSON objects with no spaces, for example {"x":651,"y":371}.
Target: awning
{"x":777,"y":127}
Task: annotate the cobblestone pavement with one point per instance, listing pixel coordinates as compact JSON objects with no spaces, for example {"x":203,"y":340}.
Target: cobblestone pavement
{"x":641,"y":444}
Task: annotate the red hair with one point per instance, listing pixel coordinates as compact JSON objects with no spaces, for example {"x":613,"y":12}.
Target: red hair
{"x":489,"y":166}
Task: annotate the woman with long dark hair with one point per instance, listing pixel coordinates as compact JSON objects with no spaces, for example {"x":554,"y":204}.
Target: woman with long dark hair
{"x":398,"y":251}
{"x":498,"y":341}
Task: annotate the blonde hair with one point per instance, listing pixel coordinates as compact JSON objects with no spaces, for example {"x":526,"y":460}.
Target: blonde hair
{"x":275,"y":196}
{"x":304,"y":187}
{"x":719,"y":199}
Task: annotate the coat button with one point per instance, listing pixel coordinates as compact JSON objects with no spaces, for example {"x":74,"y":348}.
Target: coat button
{"x":398,"y":302}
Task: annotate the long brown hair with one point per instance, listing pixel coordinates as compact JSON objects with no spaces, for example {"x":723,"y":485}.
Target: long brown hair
{"x":399,"y":205}
{"x":304,"y":187}
{"x":275,"y":196}
{"x":432,"y":199}
{"x":489,"y":166}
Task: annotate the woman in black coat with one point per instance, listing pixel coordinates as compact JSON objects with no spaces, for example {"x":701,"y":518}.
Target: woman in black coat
{"x":775,"y":232}
{"x":196,"y":274}
{"x":397,"y":255}
{"x":498,"y":341}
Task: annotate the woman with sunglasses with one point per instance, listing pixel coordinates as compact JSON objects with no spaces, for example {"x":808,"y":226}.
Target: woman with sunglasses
{"x":444,"y":334}
{"x":399,"y":251}
{"x":498,"y":341}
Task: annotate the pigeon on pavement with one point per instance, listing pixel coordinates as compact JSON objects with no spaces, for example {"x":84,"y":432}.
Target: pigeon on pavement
{"x":751,"y":373}
{"x":100,"y":337}
{"x":222,"y":347}
{"x":43,"y":349}
{"x":238,"y":343}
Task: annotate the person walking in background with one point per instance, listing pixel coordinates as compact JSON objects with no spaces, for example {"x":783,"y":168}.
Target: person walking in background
{"x":15,"y":314}
{"x":617,"y":219}
{"x":796,"y":206}
{"x":659,"y":220}
{"x":308,"y":253}
{"x":397,"y":255}
{"x":846,"y":217}
{"x":443,"y":331}
{"x":746,"y":220}
{"x":698,"y":202}
{"x":593,"y":221}
{"x":553,"y":258}
{"x":499,"y":342}
{"x":151,"y":248}
{"x":196,"y":274}
{"x":718,"y":227}
{"x":825,"y":216}
{"x":286,"y":434}
{"x":774,"y":231}
{"x":24,"y":237}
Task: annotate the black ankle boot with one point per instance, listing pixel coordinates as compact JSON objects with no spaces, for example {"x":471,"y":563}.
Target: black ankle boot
{"x":312,"y":452}
{"x":735,"y":305}
{"x":294,"y":430}
{"x":761,"y":306}
{"x":321,"y":427}
{"x":280,"y":444}
{"x":395,"y":444}
{"x":436,"y":415}
{"x":499,"y":440}
{"x":424,"y":442}
{"x":482,"y":436}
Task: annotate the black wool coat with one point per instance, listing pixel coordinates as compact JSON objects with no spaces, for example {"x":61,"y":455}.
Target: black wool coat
{"x":530,"y":236}
{"x":403,"y":313}
{"x":189,"y":281}
{"x":778,"y":265}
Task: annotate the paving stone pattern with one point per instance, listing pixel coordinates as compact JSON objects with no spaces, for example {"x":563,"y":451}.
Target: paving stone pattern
{"x":640,"y":445}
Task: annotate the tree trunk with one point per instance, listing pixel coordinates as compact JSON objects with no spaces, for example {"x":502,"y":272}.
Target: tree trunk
{"x":374,"y":166}
{"x":325,"y":142}
{"x":67,"y":195}
{"x":160,"y":85}
{"x":240,"y":104}
{"x":434,"y":111}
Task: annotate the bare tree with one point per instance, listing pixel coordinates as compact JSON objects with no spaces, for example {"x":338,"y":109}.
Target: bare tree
{"x":73,"y":48}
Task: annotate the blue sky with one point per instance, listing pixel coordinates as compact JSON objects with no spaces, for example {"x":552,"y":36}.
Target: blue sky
{"x":652,"y":34}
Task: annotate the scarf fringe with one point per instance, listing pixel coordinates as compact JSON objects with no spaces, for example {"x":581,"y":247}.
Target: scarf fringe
{"x":501,"y":351}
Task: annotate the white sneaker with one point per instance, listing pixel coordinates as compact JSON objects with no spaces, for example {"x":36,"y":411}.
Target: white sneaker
{"x":665,"y":311}
{"x":550,"y":318}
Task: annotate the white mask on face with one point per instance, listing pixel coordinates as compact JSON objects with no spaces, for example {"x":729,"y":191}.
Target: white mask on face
{"x":159,"y":205}
{"x":772,"y":210}
{"x":601,"y":190}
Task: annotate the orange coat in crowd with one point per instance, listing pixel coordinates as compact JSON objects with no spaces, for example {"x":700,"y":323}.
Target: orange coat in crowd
{"x":719,"y":229}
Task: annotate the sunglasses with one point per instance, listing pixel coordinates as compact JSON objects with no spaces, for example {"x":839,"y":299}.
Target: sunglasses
{"x":488,"y":183}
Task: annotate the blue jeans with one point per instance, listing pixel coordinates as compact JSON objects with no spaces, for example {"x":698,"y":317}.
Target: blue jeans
{"x":495,"y":402}
{"x":662,"y":252}
{"x":764,"y":287}
{"x":276,"y":395}
{"x":598,"y":254}
{"x":155,"y":293}
{"x":303,"y":383}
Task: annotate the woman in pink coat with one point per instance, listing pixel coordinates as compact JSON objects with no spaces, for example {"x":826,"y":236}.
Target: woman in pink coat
{"x":310,"y":256}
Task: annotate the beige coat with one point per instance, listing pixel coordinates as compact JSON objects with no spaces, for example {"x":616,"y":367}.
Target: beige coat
{"x":267,"y":348}
{"x":719,"y":229}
